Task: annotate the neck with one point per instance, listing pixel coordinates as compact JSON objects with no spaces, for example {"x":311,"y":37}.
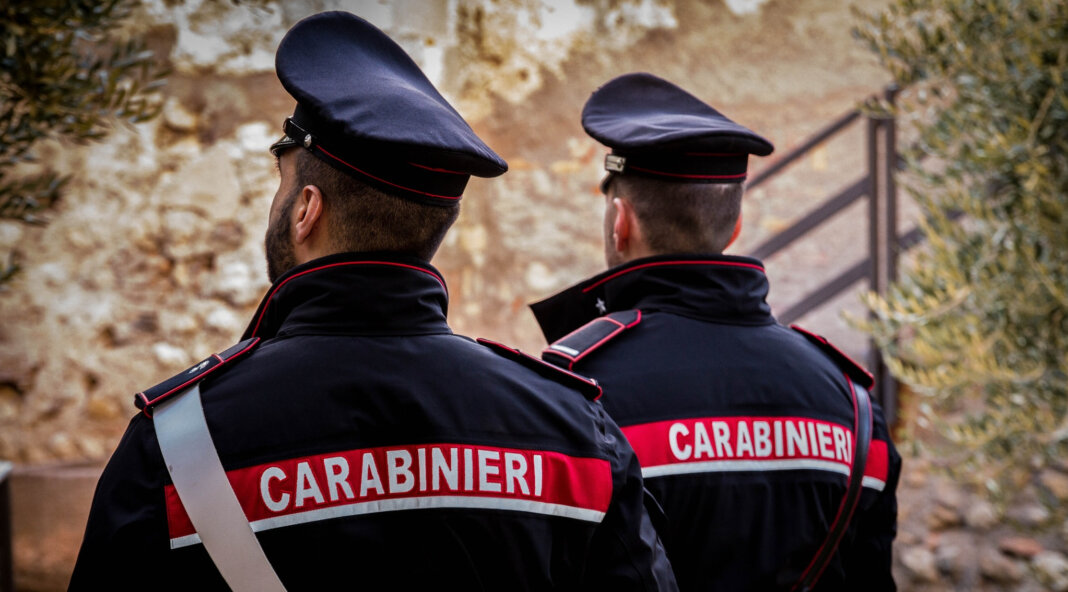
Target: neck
{"x":315,"y":247}
{"x":644,"y":253}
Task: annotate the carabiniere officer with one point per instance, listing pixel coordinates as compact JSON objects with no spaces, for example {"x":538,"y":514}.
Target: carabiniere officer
{"x":745,"y":429}
{"x":351,"y":440}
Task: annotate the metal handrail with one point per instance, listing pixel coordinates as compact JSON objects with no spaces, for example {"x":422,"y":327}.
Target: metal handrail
{"x":782,"y":162}
{"x":880,"y":267}
{"x":844,"y":199}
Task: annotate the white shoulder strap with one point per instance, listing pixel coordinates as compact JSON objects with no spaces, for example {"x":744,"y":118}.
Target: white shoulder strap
{"x":201,"y":482}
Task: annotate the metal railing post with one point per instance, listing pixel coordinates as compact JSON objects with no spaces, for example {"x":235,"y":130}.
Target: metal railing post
{"x":888,"y":390}
{"x":882,"y":239}
{"x":880,"y":267}
{"x":890,"y":161}
{"x":874,"y":252}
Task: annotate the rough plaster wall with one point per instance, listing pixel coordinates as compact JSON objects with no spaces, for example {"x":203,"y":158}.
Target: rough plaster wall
{"x":154,"y":259}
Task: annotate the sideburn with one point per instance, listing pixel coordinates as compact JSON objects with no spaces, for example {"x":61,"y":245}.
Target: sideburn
{"x":278,"y":243}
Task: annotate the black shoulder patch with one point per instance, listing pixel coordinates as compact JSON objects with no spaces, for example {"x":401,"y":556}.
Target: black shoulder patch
{"x":148,"y":398}
{"x":586,"y":386}
{"x":569,"y":349}
{"x":847,"y":364}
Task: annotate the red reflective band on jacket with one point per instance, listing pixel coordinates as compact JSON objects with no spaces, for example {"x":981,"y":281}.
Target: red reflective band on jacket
{"x":732,"y":444}
{"x":878,"y":465}
{"x":364,"y":481}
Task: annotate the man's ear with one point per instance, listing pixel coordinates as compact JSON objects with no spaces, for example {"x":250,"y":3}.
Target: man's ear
{"x":737,"y":231}
{"x":625,"y":227}
{"x":307,"y":214}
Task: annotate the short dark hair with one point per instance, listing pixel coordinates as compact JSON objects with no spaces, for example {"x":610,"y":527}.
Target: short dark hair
{"x":364,"y":218}
{"x":682,"y":217}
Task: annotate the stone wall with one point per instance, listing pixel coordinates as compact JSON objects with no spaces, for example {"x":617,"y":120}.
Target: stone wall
{"x":154,"y":258}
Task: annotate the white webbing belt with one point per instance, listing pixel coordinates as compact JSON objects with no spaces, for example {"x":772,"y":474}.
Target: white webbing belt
{"x":201,"y":482}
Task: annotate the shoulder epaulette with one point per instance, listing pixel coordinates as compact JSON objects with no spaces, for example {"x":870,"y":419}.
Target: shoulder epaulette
{"x":148,"y":398}
{"x":586,"y":386}
{"x":851,"y":367}
{"x":569,"y":349}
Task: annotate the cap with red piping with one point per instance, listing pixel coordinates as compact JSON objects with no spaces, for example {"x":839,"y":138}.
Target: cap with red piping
{"x":656,"y":129}
{"x":366,"y":108}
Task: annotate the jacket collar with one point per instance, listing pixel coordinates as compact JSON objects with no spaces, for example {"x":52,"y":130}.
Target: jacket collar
{"x":717,"y":288}
{"x":354,"y":294}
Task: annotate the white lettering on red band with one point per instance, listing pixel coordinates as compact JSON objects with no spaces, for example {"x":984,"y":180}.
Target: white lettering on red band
{"x":356,"y":482}
{"x":275,"y":505}
{"x":734,"y":444}
{"x":681,"y":452}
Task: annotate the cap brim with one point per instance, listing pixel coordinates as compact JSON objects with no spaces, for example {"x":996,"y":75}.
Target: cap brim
{"x":283,"y":144}
{"x":357,"y":90}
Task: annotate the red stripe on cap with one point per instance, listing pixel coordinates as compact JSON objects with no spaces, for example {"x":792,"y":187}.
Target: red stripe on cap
{"x":380,"y":180}
{"x":263,"y":313}
{"x":369,"y":480}
{"x":715,"y":154}
{"x":682,"y":176}
{"x":663,"y":263}
{"x":434,"y":169}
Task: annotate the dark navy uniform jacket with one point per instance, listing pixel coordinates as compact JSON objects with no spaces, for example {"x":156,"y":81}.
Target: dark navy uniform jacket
{"x":743,"y":426}
{"x":371,"y":448}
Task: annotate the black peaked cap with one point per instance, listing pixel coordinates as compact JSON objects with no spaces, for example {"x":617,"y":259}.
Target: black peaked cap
{"x":367,"y":109}
{"x":659,"y":130}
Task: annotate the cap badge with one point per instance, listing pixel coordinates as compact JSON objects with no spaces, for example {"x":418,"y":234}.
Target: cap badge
{"x":614,"y":163}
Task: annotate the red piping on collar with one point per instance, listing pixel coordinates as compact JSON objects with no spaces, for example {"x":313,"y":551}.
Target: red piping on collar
{"x":662,"y":263}
{"x":365,"y":173}
{"x":662,"y":173}
{"x":307,"y":271}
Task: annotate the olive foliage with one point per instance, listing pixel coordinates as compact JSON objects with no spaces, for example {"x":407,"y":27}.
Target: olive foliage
{"x":65,"y":74}
{"x":978,"y":324}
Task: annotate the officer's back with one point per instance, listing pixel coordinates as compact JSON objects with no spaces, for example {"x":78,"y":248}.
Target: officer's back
{"x":367,"y":446}
{"x":745,"y":429}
